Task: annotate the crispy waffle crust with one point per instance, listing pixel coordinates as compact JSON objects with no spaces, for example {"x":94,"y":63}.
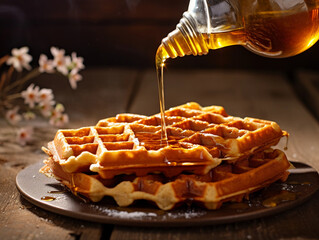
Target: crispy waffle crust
{"x":209,"y":158}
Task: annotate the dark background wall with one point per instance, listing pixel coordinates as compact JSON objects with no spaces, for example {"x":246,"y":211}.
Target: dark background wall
{"x":118,"y":32}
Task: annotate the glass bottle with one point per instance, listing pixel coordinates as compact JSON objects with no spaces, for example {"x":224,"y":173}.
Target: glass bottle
{"x":271,"y":28}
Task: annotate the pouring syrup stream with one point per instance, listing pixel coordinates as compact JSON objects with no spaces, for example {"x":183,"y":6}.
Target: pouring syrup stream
{"x":161,"y":56}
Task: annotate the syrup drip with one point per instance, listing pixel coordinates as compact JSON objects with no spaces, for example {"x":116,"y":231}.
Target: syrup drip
{"x":169,"y":163}
{"x":282,"y":196}
{"x":287,"y":139}
{"x":48,"y":198}
{"x":74,"y":189}
{"x":56,"y":192}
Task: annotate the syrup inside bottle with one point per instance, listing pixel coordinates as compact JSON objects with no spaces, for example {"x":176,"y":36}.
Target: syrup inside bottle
{"x":278,"y":35}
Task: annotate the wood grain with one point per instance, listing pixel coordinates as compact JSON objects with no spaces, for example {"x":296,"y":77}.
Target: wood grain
{"x":286,"y":225}
{"x":102,"y":93}
{"x":307,"y":86}
{"x":106,"y":92}
{"x":21,"y":220}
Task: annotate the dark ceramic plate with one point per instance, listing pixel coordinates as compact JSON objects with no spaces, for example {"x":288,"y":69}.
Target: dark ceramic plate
{"x":39,"y":190}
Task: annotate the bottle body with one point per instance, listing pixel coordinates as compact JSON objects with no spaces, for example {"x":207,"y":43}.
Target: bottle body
{"x":274,"y":34}
{"x":271,"y":28}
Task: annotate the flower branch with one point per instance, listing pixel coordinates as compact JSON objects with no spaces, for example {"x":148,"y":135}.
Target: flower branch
{"x":36,"y":101}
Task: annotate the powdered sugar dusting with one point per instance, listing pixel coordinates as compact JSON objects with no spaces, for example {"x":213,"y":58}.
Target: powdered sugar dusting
{"x":161,"y":215}
{"x":122,"y":214}
{"x":129,"y":215}
{"x":187,"y":214}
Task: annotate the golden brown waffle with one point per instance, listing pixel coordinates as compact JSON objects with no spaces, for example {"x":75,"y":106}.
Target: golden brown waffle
{"x":210,"y":127}
{"x":199,"y":140}
{"x":227,"y":182}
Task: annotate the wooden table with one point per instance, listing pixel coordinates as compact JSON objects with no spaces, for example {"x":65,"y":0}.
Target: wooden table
{"x":105,"y":92}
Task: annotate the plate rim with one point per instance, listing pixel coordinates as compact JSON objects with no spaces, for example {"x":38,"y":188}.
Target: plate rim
{"x":150,"y":221}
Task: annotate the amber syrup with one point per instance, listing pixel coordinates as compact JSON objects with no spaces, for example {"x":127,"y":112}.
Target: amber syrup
{"x":161,"y":57}
{"x":274,"y":34}
{"x":48,"y":198}
{"x":271,"y":34}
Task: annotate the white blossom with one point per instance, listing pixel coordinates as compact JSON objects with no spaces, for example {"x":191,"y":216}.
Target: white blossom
{"x":24,"y":135}
{"x":13,"y":116}
{"x":45,"y":64}
{"x":60,"y":61}
{"x":74,"y":77}
{"x":38,"y":99}
{"x":31,"y":95}
{"x":20,"y":59}
{"x":77,"y":62}
{"x":46,"y":95}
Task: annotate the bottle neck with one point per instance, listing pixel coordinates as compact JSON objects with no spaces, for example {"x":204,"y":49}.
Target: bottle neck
{"x":185,"y":39}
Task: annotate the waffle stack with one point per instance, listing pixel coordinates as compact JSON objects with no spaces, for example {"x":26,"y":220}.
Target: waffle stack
{"x":209,"y":158}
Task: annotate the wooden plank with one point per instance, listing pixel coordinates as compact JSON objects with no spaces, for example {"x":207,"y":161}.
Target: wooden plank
{"x":101,"y":93}
{"x":307,"y":85}
{"x":281,"y":226}
{"x":256,"y":94}
{"x":21,"y":220}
